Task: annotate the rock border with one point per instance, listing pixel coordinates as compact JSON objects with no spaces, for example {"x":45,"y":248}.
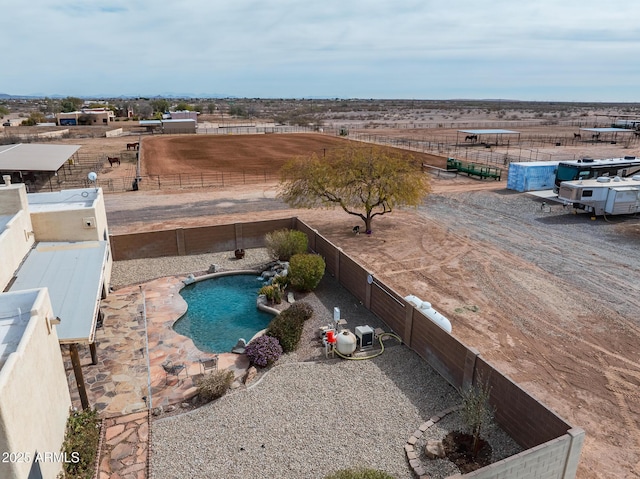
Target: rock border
{"x":409,"y":447}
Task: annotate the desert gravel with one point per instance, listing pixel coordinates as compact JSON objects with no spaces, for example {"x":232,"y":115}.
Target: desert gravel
{"x":308,"y":415}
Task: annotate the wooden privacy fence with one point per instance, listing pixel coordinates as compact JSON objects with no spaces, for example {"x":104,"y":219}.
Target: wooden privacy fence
{"x":552,"y":445}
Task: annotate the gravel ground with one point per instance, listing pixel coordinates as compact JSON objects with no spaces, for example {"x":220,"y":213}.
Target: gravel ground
{"x":135,"y":271}
{"x":308,"y":415}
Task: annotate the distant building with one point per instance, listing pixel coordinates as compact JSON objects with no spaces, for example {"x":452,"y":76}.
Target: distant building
{"x":86,"y":116}
{"x":184,"y":115}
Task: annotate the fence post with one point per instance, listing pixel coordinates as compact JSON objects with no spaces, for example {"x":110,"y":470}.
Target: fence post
{"x":469,"y":367}
{"x":408,"y":324}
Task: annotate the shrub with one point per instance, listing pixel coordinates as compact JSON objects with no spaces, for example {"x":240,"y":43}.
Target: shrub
{"x":306,"y":271}
{"x":215,"y":385}
{"x":81,"y":442}
{"x":263,"y":351}
{"x":301,"y":309}
{"x":283,"y":244}
{"x":281,"y":281}
{"x":272,"y":292}
{"x":287,"y":326}
{"x":359,"y":473}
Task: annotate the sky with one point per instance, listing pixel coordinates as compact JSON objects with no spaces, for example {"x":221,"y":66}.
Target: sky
{"x":542,"y":50}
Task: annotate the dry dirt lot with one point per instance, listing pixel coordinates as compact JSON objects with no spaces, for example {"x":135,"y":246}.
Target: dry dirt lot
{"x":551,"y":298}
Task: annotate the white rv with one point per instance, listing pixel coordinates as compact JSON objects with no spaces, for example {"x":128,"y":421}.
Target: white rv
{"x":603,"y":196}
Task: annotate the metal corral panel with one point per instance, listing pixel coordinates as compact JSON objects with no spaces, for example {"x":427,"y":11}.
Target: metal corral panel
{"x":532,"y":176}
{"x":623,"y":200}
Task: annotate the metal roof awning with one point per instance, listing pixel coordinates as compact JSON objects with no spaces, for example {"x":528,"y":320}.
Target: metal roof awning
{"x":35,"y":156}
{"x":490,"y":132}
{"x":73,"y":273}
{"x":608,"y":130}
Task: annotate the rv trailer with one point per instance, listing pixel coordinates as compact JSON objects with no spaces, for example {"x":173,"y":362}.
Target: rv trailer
{"x":603,"y":196}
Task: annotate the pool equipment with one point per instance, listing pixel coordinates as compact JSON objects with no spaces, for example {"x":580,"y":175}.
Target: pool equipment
{"x":426,"y":309}
{"x":364,"y":336}
{"x":346,"y":343}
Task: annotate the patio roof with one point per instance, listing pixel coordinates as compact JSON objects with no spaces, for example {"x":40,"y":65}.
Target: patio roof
{"x":490,"y":132}
{"x":73,"y":273}
{"x":608,"y":130}
{"x":35,"y":156}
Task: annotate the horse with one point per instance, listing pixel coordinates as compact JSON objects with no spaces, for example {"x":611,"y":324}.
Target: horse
{"x":113,"y":161}
{"x":577,"y":136}
{"x":471,"y":138}
{"x":133,"y":146}
{"x":595,"y":136}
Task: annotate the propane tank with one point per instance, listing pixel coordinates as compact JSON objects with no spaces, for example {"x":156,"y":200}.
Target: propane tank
{"x":425,"y":308}
{"x":346,"y":343}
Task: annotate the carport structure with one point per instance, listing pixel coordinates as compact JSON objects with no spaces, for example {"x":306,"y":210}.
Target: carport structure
{"x":485,"y":136}
{"x":22,"y":160}
{"x":610,"y":134}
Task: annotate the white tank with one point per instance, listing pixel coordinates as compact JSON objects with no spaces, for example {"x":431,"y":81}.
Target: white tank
{"x":425,"y":308}
{"x":346,"y":343}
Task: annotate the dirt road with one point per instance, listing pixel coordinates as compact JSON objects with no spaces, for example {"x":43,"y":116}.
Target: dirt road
{"x":551,"y":298}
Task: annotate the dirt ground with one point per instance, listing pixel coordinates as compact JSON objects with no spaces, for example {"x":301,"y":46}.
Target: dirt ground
{"x":550,"y":298}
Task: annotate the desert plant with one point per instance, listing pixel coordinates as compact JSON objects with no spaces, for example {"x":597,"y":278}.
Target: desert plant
{"x":215,"y":385}
{"x":283,"y":244}
{"x":281,"y":281}
{"x":476,"y":411}
{"x":306,"y":271}
{"x":359,"y":473}
{"x":301,"y":309}
{"x":263,"y":351}
{"x":81,"y":443}
{"x":272,"y":292}
{"x":287,"y":326}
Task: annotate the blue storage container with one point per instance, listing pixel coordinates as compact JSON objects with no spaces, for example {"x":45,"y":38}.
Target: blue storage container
{"x":532,"y":175}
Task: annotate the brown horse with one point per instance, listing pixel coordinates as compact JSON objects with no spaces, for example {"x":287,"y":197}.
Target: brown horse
{"x":577,"y":136}
{"x":133,"y":146}
{"x":113,"y":161}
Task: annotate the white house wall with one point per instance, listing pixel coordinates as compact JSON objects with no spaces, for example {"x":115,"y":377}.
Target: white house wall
{"x":34,"y":396}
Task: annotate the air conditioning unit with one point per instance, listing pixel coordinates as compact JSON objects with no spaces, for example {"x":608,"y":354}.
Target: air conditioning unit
{"x":364,"y":337}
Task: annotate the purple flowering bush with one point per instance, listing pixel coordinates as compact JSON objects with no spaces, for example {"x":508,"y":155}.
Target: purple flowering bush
{"x":263,"y":351}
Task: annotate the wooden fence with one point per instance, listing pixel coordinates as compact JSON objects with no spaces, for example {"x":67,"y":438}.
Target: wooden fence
{"x":553,"y":445}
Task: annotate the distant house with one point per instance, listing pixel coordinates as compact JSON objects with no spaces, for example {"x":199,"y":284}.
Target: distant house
{"x":86,"y":116}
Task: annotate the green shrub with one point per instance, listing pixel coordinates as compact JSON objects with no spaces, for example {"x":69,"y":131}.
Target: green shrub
{"x":281,"y":281}
{"x":272,"y":292}
{"x":306,"y":271}
{"x":81,"y":442}
{"x":359,"y":473}
{"x":283,"y":244}
{"x":287,"y":326}
{"x":300,"y":309}
{"x":215,"y":385}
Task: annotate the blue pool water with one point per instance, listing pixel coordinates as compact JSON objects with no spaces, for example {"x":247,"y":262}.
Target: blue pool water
{"x":220,"y":311}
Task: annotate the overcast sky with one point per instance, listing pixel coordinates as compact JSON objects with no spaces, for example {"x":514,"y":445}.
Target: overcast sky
{"x":562,"y":50}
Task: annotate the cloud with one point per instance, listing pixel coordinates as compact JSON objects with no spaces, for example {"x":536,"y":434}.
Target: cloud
{"x":419,"y":49}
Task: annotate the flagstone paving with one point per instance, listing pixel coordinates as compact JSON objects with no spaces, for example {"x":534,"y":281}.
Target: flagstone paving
{"x":118,"y":385}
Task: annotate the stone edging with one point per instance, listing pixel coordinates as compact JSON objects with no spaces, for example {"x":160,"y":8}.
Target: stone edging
{"x":96,"y":472}
{"x":409,"y":447}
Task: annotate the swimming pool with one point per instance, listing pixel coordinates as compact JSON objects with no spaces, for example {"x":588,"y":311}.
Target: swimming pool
{"x":221,"y":310}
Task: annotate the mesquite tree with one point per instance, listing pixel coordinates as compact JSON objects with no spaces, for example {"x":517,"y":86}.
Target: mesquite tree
{"x":363,"y":181}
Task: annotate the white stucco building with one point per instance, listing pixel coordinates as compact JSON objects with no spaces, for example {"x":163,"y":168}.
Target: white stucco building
{"x":55,"y":266}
